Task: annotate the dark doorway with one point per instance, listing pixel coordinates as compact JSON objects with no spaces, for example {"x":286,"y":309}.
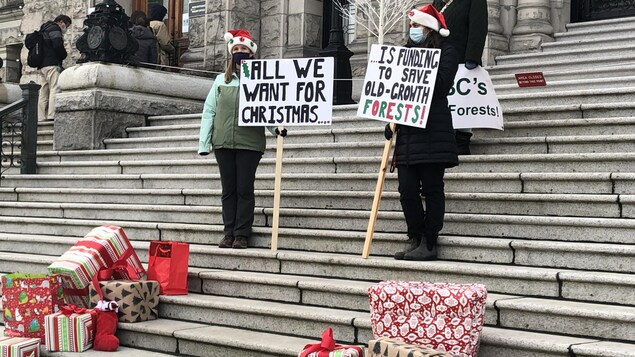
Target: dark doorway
{"x":590,"y":10}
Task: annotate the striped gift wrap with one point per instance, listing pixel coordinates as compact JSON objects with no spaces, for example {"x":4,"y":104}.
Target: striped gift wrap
{"x":100,"y":249}
{"x":19,"y":347}
{"x":73,"y":333}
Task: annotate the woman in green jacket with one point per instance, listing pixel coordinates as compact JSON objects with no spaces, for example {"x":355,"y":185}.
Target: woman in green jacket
{"x":238,"y":149}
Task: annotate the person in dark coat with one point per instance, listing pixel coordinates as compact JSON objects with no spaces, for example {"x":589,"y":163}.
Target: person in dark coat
{"x":147,"y":51}
{"x":467,"y":22}
{"x":423,"y":154}
{"x":53,"y":54}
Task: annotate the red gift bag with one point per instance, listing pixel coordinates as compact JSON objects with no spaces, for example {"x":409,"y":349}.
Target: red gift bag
{"x":168,"y":264}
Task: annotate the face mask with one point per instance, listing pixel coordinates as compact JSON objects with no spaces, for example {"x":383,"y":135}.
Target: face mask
{"x":417,"y":35}
{"x":238,"y":57}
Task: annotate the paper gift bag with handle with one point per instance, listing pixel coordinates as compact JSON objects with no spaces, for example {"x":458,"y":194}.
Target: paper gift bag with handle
{"x":168,"y":264}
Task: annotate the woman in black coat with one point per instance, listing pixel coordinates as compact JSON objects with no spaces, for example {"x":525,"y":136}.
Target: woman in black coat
{"x":422,"y":155}
{"x":147,"y":52}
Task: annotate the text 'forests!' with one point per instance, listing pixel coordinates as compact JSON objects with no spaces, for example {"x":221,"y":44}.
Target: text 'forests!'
{"x":410,"y":57}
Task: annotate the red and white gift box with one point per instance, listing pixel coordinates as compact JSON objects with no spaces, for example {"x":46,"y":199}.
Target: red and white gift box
{"x":19,"y":347}
{"x":443,"y":316}
{"x":106,"y":250}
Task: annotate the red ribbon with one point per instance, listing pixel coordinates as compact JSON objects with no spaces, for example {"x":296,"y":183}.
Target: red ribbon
{"x":68,"y":310}
{"x":326,"y":345}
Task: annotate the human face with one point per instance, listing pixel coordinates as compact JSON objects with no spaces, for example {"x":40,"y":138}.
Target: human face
{"x":426,"y":30}
{"x":62,"y":26}
{"x":240,"y":53}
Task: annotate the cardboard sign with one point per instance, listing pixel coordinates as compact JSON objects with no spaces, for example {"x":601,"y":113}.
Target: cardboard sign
{"x":473,"y":102}
{"x":533,"y":79}
{"x":287,"y":92}
{"x":399,"y":84}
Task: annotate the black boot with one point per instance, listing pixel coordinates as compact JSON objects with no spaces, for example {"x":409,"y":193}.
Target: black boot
{"x":463,"y":142}
{"x":414,"y":243}
{"x":424,"y":251}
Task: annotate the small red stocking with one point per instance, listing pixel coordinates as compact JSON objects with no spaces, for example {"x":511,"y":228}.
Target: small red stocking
{"x":106,"y":326}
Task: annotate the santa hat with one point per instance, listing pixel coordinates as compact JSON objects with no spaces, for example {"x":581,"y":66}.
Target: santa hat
{"x":429,"y":17}
{"x":240,"y":37}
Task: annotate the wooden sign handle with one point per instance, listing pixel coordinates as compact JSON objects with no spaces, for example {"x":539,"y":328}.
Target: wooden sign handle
{"x":276,"y":191}
{"x":377,"y":199}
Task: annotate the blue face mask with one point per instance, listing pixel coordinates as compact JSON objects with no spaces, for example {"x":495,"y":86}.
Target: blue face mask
{"x":417,"y":35}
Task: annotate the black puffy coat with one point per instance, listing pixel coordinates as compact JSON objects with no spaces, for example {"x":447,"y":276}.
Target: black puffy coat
{"x":467,"y":22}
{"x":147,"y":51}
{"x":54,"y":52}
{"x":436,"y":144}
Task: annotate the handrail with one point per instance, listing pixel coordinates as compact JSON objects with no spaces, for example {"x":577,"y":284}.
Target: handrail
{"x":25,"y":129}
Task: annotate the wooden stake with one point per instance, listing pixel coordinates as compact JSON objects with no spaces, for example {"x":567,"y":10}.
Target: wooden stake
{"x":276,"y":192}
{"x":377,"y":199}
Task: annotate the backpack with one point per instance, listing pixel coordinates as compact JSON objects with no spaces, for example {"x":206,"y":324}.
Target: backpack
{"x":34,"y":42}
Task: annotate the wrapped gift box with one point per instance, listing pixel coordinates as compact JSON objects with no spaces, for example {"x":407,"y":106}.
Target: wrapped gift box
{"x":445,"y":317}
{"x":26,"y":300}
{"x":386,"y":347}
{"x":105,"y":249}
{"x":19,"y":347}
{"x":70,"y":332}
{"x":137,"y":300}
{"x":329,"y":348}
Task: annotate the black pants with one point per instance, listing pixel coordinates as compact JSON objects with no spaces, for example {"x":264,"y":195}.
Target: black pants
{"x":237,"y":175}
{"x":422,"y":180}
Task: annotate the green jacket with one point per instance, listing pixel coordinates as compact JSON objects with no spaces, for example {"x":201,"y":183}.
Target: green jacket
{"x":219,"y":123}
{"x":467,"y":22}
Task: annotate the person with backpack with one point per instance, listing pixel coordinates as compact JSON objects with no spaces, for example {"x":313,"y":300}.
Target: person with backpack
{"x":140,"y":30}
{"x":164,"y":42}
{"x":50,"y":67}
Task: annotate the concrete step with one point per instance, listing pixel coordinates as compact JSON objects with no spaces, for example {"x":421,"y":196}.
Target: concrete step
{"x":585,"y":39}
{"x":568,"y":75}
{"x":570,"y":111}
{"x":198,"y":339}
{"x":554,"y":144}
{"x":554,"y":97}
{"x":475,"y":182}
{"x":540,"y":62}
{"x":571,"y":84}
{"x":561,"y":127}
{"x":491,"y":203}
{"x":590,"y":53}
{"x":603,"y":29}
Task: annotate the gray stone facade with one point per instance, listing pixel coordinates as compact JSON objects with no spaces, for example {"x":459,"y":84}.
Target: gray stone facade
{"x":282,"y":28}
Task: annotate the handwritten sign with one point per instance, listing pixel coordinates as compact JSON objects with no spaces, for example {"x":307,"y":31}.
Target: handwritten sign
{"x":399,"y":84}
{"x":287,"y":92}
{"x":533,"y":79}
{"x":473,"y":102}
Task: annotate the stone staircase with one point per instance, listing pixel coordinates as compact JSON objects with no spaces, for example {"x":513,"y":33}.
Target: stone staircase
{"x":542,"y":214}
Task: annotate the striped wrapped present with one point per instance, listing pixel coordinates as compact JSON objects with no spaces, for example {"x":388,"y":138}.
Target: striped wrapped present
{"x":103,"y":253}
{"x":71,"y":330}
{"x":19,"y":347}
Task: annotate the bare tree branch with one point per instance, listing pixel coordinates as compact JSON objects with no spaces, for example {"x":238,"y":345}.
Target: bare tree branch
{"x":379,"y":17}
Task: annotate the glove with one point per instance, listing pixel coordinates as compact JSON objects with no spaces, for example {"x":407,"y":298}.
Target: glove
{"x":388,"y":132}
{"x":282,"y":133}
{"x":469,"y":64}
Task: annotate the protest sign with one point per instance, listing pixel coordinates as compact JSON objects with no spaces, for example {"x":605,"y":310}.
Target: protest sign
{"x":286,"y":92}
{"x":399,"y":84}
{"x":473,"y":102}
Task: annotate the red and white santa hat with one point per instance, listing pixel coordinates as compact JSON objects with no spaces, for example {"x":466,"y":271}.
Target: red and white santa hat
{"x":240,"y":37}
{"x":429,"y":17}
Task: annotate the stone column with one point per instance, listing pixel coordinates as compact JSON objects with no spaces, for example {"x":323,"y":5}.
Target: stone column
{"x":194,"y":57}
{"x":533,"y":26}
{"x":223,"y":15}
{"x":273,"y":26}
{"x":10,"y":16}
{"x":508,"y":12}
{"x":496,"y":43}
{"x":304,"y":28}
{"x":560,"y":14}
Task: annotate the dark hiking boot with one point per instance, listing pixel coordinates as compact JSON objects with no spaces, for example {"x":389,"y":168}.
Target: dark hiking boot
{"x":422,"y":253}
{"x":463,"y":142}
{"x":226,"y":242}
{"x":413,"y":244}
{"x":240,"y":242}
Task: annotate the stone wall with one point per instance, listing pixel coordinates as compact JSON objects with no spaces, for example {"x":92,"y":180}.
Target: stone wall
{"x":10,"y":36}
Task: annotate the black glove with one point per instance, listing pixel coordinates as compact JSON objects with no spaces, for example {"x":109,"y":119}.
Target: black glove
{"x":388,"y":132}
{"x":469,"y":64}
{"x":282,"y":133}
